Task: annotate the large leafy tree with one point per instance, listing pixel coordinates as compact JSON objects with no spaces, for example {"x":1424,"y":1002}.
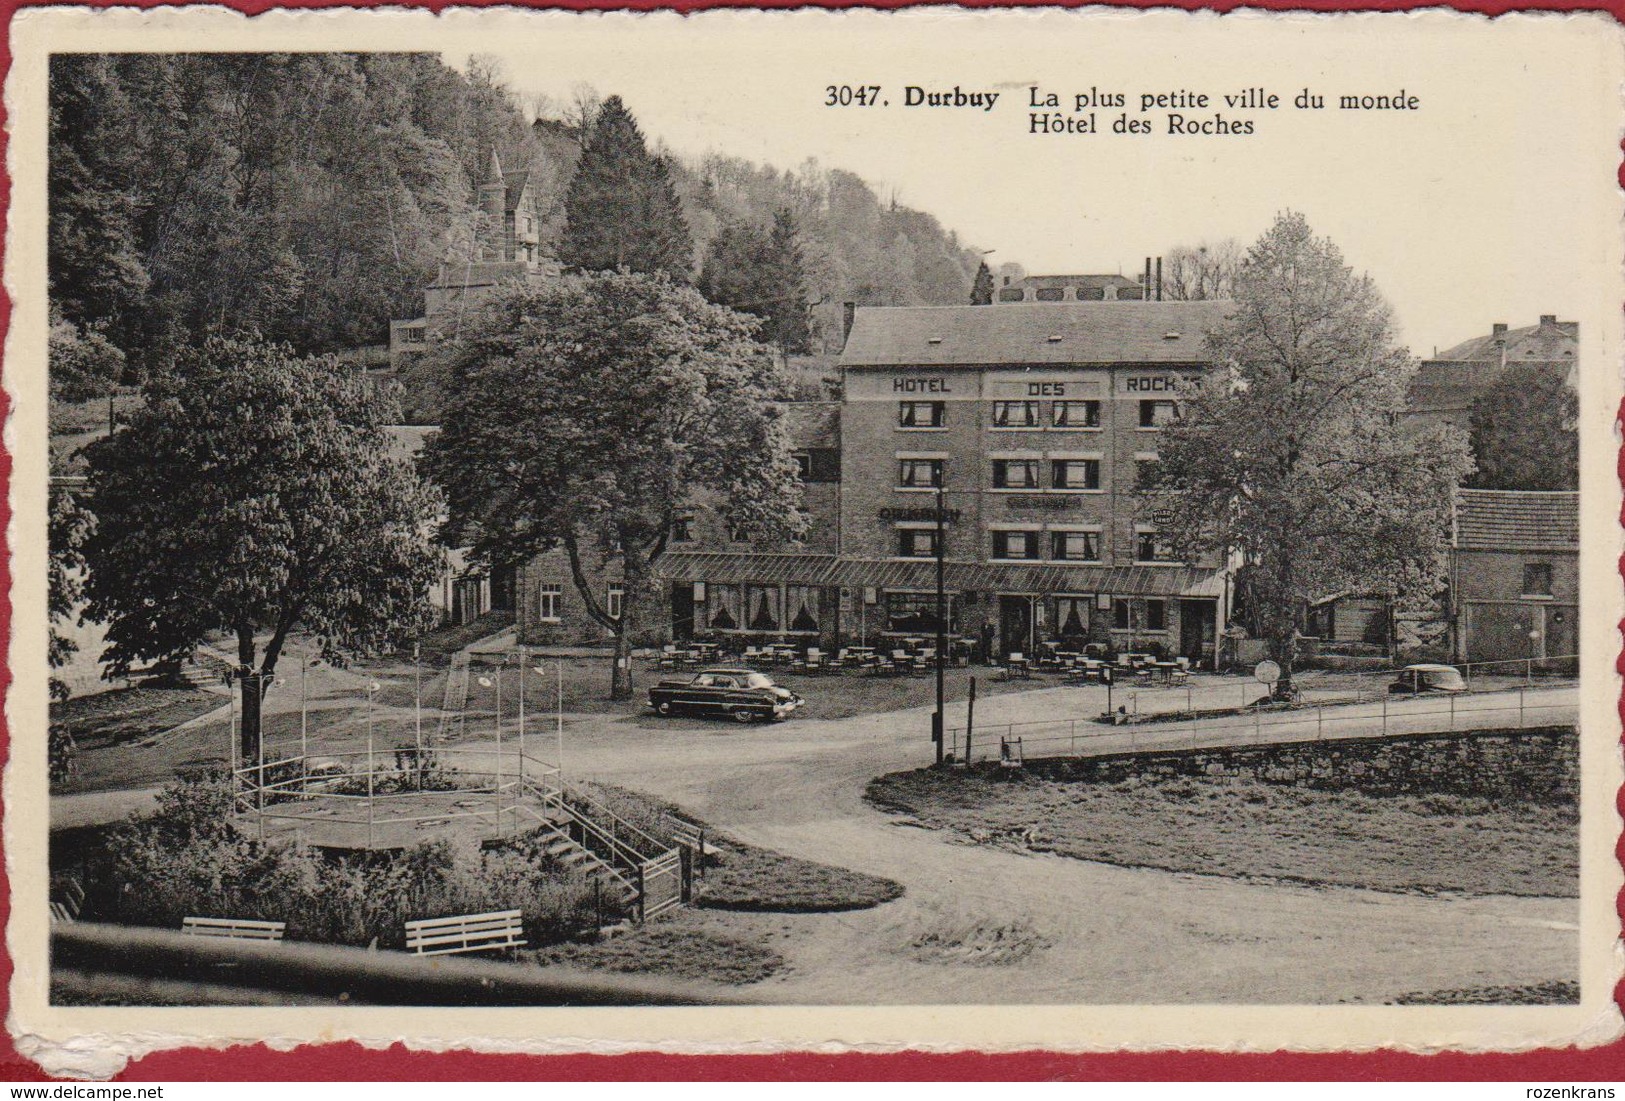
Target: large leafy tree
{"x":1294,"y":454}
{"x":587,"y":413}
{"x":1524,"y":431}
{"x":253,"y":492}
{"x":621,"y":211}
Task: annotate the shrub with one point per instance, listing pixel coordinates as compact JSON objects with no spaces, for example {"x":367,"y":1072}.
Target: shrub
{"x":190,"y":859}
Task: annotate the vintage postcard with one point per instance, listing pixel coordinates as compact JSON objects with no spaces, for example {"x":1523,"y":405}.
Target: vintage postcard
{"x":1065,"y":529}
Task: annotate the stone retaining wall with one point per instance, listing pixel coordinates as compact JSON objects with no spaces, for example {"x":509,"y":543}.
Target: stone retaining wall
{"x":1537,"y":765}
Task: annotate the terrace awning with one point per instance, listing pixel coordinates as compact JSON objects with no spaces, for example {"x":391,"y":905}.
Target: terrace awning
{"x":730,"y":567}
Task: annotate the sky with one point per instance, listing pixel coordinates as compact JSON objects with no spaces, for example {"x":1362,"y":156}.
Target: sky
{"x":1484,"y":201}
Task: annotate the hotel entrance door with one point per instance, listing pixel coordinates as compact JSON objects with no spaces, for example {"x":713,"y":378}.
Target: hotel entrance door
{"x":1016,"y":624}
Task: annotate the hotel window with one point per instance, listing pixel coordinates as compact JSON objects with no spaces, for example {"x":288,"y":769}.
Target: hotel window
{"x":1072,"y":616}
{"x":548,"y":600}
{"x":922,"y":414}
{"x":1537,"y":579}
{"x":803,"y":464}
{"x":1075,"y":546}
{"x":1075,"y":414}
{"x":762,"y":607}
{"x":915,"y":613}
{"x":737,"y":534}
{"x":803,"y":608}
{"x":616,"y":600}
{"x":1075,"y":473}
{"x":1152,"y":547}
{"x":414,"y":334}
{"x":682,"y":529}
{"x":1015,"y":474}
{"x":1155,"y":414}
{"x":1021,"y":545}
{"x":1015,"y":414}
{"x":919,"y":473}
{"x":1051,"y":294}
{"x":724,"y":608}
{"x":1156,"y":615}
{"x":917,"y":542}
{"x":1120,"y":615}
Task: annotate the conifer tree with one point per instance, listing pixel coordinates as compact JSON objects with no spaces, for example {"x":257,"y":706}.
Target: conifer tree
{"x":981,"y":292}
{"x":622,"y":211}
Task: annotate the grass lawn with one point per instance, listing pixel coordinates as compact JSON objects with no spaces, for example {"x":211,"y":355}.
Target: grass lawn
{"x":1546,"y":993}
{"x":110,"y":727}
{"x":678,"y":947}
{"x":1243,"y":827}
{"x":737,"y":876}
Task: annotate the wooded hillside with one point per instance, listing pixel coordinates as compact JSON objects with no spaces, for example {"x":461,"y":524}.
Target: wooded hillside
{"x":310,"y":197}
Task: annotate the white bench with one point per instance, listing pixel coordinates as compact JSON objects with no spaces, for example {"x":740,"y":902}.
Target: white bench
{"x":465,"y":933}
{"x":233,"y":928}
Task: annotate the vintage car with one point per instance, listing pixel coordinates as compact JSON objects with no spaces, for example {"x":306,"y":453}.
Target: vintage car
{"x":1414,"y":679}
{"x":743,"y":695}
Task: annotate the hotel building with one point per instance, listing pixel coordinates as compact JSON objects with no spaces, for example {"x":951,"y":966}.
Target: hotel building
{"x":1029,"y":422}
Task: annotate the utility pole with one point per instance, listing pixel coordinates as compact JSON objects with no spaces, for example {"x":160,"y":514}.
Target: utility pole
{"x":942,"y":617}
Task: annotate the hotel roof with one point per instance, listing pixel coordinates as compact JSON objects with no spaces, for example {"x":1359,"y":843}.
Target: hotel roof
{"x":1032,"y":333}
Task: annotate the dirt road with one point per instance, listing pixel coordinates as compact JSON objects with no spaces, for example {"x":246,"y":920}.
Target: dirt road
{"x":986,"y":925}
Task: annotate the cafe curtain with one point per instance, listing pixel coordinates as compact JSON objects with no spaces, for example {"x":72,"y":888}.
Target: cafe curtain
{"x":762,"y":603}
{"x":803,"y":604}
{"x":724,"y":611}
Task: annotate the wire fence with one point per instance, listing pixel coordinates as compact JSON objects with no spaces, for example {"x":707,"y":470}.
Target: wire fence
{"x":1519,"y":708}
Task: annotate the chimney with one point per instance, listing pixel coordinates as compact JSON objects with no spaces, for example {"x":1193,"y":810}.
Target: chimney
{"x":1159,"y":279}
{"x":849,"y":313}
{"x":1498,"y":329}
{"x":1146,"y":282}
{"x":1548,"y":320}
{"x":1007,"y":280}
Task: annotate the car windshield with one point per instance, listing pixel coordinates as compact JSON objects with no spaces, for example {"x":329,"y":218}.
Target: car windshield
{"x":1443,"y":678}
{"x":757,"y":680}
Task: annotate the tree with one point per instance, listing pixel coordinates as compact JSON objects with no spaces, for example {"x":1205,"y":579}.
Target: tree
{"x":762,"y":274}
{"x":622,"y":212}
{"x":1294,"y":453}
{"x":981,"y":291}
{"x":255,"y":491}
{"x":624,"y":398}
{"x":1201,"y":272}
{"x":70,"y":525}
{"x":81,"y":364}
{"x":1524,"y":431}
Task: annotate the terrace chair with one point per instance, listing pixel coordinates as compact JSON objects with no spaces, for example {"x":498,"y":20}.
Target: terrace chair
{"x":753,"y":657}
{"x":812,"y":664}
{"x":902,"y":661}
{"x":667,"y":662}
{"x":1018,"y":666}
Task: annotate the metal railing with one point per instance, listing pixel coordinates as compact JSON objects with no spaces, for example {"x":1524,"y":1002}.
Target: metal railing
{"x":285,"y":790}
{"x":1520,"y":708}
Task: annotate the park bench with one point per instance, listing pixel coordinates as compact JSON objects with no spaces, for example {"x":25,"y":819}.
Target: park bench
{"x":465,"y":933}
{"x":233,"y":928}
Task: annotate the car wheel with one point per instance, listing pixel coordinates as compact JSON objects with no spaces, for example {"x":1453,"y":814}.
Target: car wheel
{"x":744,"y":715}
{"x":664,"y":707}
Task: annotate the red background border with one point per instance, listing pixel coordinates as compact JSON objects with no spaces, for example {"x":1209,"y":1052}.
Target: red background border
{"x":352,"y":1063}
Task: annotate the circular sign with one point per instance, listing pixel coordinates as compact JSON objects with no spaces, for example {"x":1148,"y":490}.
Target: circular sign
{"x":1266,"y":672}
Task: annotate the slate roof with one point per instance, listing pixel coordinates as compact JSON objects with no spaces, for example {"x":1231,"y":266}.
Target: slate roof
{"x":1548,"y":343}
{"x":1511,"y":520}
{"x":737,"y":567}
{"x":1033,"y":333}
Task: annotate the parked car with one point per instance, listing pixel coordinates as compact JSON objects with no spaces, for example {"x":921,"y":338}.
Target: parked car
{"x":325,"y":774}
{"x":743,"y":695}
{"x":1428,"y":678}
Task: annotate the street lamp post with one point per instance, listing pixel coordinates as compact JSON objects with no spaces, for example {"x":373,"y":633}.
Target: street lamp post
{"x":372,"y":687}
{"x":558,"y":721}
{"x":942,"y":620}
